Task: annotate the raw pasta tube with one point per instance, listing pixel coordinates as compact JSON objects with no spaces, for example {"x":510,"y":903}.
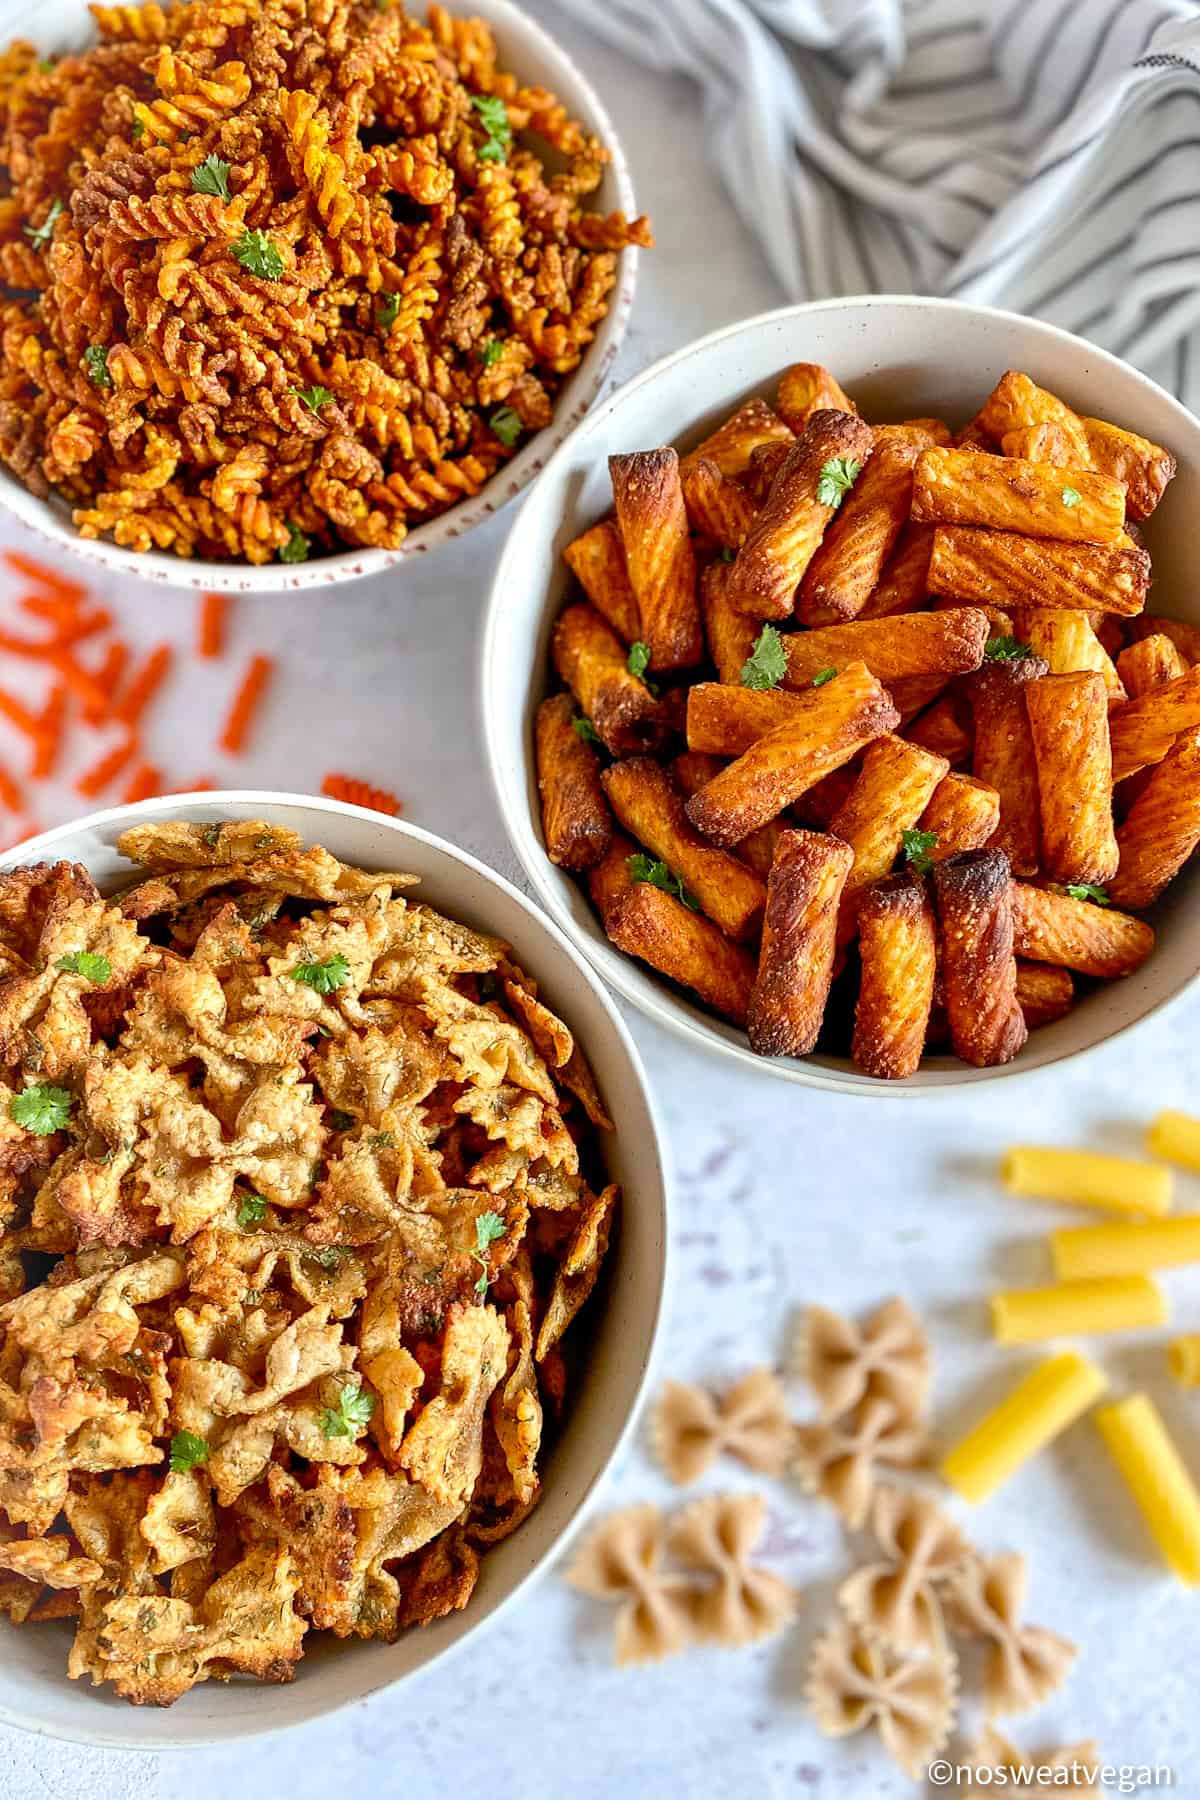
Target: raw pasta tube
{"x":979,"y":971}
{"x":897,"y":937}
{"x":1141,"y":1447}
{"x":1087,"y":1178}
{"x":1068,"y":721}
{"x":1051,"y":1397}
{"x":1077,"y":1308}
{"x":1175,"y":1136}
{"x":1183,"y":1359}
{"x":795,"y":966}
{"x":1162,"y":828}
{"x":1003,"y":756}
{"x":653,"y":523}
{"x":1084,"y":1251}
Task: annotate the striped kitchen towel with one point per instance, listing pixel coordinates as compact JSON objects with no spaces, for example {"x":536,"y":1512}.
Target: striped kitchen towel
{"x":1042,"y":155}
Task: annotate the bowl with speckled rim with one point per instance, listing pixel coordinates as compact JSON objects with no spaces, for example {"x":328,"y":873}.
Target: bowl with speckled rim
{"x":900,"y":357}
{"x":621,"y":1323}
{"x":56,"y":26}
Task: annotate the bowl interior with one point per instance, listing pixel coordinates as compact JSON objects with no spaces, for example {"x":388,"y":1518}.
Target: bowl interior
{"x":34,"y":1690}
{"x":56,"y":26}
{"x":899,"y":358}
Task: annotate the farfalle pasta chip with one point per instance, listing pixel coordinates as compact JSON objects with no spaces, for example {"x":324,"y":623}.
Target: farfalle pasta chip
{"x":690,"y":1428}
{"x":312,"y":1203}
{"x":1024,"y":1664}
{"x":743,"y":1603}
{"x":621,"y":1562}
{"x":853,"y":1682}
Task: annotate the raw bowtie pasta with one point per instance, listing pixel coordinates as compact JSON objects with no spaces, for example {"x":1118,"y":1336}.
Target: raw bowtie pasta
{"x":853,"y":1682}
{"x":1075,"y":1765}
{"x":843,"y":1362}
{"x":1024,"y":1663}
{"x":896,"y":1600}
{"x":838,"y":1460}
{"x":743,"y":1603}
{"x":690,"y":1427}
{"x":621,"y":1562}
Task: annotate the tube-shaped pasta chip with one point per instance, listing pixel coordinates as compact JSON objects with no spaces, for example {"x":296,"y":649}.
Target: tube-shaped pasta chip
{"x":904,"y":584}
{"x":1043,"y":993}
{"x":654,"y":926}
{"x":1075,"y":934}
{"x":650,"y":807}
{"x":597,"y":560}
{"x":1185,"y":637}
{"x":963,"y":814}
{"x":806,"y":388}
{"x":825,"y":729}
{"x":897,"y":940}
{"x":793,"y":517}
{"x":894,"y":787}
{"x":979,"y":972}
{"x":653,"y":523}
{"x":848,"y":564}
{"x":1003,"y":753}
{"x":717,"y":508}
{"x":591,"y":660}
{"x":1163,"y":827}
{"x":1142,"y":468}
{"x":1068,"y":721}
{"x":1017,"y":400}
{"x":945,"y":727}
{"x":1067,"y":642}
{"x":969,"y":487}
{"x":1148,"y":664}
{"x":1142,"y":731}
{"x":796,"y":962}
{"x":766,"y":460}
{"x":693,"y":769}
{"x":724,"y":720}
{"x":752,"y":427}
{"x":730,"y":633}
{"x":978,"y":567}
{"x":944,"y":643}
{"x":1044,"y":443}
{"x":576,"y":822}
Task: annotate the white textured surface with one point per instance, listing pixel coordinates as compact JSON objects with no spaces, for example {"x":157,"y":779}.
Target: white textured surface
{"x":782,"y":1197}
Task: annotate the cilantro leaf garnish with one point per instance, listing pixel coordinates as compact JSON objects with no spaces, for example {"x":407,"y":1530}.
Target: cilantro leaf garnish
{"x":385,"y":312}
{"x":726,"y":554}
{"x":493,"y":116}
{"x":138,"y":129}
{"x":837,"y":477}
{"x":95,"y":359}
{"x":1087,"y":890}
{"x":328,"y":1255}
{"x":917,"y":846}
{"x":506,"y":423}
{"x":1071,"y":496}
{"x":583,"y":728}
{"x":323,"y":977}
{"x":313,"y":397}
{"x":258,"y":255}
{"x":88,"y":963}
{"x":637,"y":662}
{"x":766,"y":665}
{"x":352,"y":1414}
{"x":297,"y":547}
{"x":40,"y":235}
{"x":1005,"y":649}
{"x":41,"y":1109}
{"x":656,"y":874}
{"x":341,"y":1121}
{"x":212,"y":177}
{"x":491,"y":352}
{"x":252,"y":1210}
{"x":822,"y":676}
{"x":488,"y":1227}
{"x":188,"y":1451}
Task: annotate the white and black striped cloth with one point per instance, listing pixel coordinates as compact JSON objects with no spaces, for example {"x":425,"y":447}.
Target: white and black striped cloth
{"x":1042,"y":155}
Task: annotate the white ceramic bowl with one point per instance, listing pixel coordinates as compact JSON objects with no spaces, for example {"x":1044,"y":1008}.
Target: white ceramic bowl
{"x":34,"y":1690}
{"x":59,"y":25}
{"x":898,"y":357}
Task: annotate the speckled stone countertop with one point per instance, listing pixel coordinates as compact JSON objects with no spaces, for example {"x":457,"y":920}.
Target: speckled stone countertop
{"x":782,"y":1196}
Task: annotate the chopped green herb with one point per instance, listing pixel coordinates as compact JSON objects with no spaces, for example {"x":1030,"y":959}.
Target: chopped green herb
{"x":323,"y":977}
{"x":1071,"y":496}
{"x":329,"y":1255}
{"x":822,"y":676}
{"x":583,"y":727}
{"x":187,"y":1452}
{"x":1005,"y":649}
{"x":491,"y":352}
{"x":212,"y":177}
{"x":41,"y":1109}
{"x":297,"y":547}
{"x":1087,"y":890}
{"x":837,"y":477}
{"x":656,"y":874}
{"x":95,"y":359}
{"x":766,"y":665}
{"x":252,"y":1210}
{"x":258,"y":255}
{"x":45,"y":65}
{"x":726,"y":554}
{"x":252,"y":1297}
{"x":138,"y":128}
{"x":506,"y":423}
{"x":341,"y":1121}
{"x":352,"y":1414}
{"x":637,"y":662}
{"x":488,"y":1227}
{"x":385,"y":312}
{"x":40,"y":235}
{"x":87,"y":963}
{"x":384,"y":1140}
{"x":917,"y":846}
{"x":493,"y":116}
{"x":314,"y":397}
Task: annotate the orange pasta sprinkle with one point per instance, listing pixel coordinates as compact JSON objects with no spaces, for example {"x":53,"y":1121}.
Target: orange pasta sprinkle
{"x":48,"y":745}
{"x":144,"y":685}
{"x":44,"y":576}
{"x":108,"y":677}
{"x":360,"y":793}
{"x":245,"y":701}
{"x":19,"y":715}
{"x":146,"y":780}
{"x":80,"y":681}
{"x":10,"y":794}
{"x":93,"y":781}
{"x":211,"y":623}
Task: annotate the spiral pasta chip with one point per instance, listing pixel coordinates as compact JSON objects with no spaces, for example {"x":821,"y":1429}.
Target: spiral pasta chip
{"x":690,"y":1428}
{"x":1024,"y":1663}
{"x":621,"y":1562}
{"x":896,"y":1599}
{"x":843,"y":1361}
{"x":853,"y":1682}
{"x":286,"y":276}
{"x":743,"y":1603}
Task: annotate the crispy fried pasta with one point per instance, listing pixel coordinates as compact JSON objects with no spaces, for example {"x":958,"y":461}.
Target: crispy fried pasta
{"x":286,"y":274}
{"x":294,"y":1186}
{"x":899,"y":754}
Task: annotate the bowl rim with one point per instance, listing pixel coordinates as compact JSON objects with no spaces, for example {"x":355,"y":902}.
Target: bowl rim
{"x":642,"y":989}
{"x":655,"y":1166}
{"x":576,"y":398}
